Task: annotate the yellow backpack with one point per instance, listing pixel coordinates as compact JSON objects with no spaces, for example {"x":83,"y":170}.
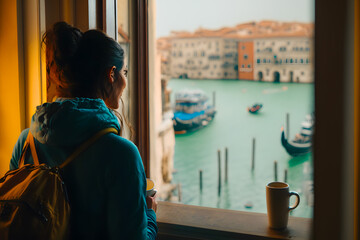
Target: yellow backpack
{"x":33,"y":199}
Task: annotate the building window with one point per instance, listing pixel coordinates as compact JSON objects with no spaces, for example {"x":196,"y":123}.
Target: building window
{"x":301,"y":60}
{"x":295,"y":60}
{"x":202,"y":53}
{"x":264,"y":60}
{"x":302,"y":73}
{"x":214,"y":57}
{"x":249,"y":65}
{"x":269,"y":61}
{"x":286,"y":60}
{"x":243,"y":47}
{"x":245,"y":56}
{"x":242,"y":65}
{"x":307,"y":60}
{"x":258,"y":60}
{"x":291,"y":60}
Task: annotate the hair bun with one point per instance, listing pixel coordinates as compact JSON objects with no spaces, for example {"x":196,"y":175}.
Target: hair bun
{"x":67,"y":40}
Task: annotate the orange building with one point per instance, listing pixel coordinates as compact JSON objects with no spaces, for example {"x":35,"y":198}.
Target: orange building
{"x":245,"y":59}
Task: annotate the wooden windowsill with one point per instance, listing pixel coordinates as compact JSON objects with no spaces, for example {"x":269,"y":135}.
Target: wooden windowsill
{"x":179,"y":221}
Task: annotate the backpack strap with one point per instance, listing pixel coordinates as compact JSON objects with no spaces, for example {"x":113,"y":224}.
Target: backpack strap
{"x":29,"y":142}
{"x":87,"y":144}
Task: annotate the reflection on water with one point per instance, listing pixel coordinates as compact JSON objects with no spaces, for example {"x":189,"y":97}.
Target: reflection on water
{"x":234,"y":128}
{"x":299,"y":160}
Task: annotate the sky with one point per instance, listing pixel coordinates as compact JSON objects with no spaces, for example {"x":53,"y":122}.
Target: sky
{"x":189,"y":15}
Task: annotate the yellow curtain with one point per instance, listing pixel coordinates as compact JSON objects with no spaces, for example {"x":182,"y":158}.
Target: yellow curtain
{"x":11,"y":88}
{"x":21,"y":71}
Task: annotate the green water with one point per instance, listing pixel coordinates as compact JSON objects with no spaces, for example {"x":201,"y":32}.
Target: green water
{"x":234,"y":128}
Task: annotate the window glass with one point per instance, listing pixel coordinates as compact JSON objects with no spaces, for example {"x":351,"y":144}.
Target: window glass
{"x":255,"y":119}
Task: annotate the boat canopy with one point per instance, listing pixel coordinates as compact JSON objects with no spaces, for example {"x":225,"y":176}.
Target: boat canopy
{"x":188,"y":116}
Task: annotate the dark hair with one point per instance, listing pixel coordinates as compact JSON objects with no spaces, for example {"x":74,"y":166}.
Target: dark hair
{"x":80,"y":62}
{"x":95,"y":55}
{"x":61,"y":42}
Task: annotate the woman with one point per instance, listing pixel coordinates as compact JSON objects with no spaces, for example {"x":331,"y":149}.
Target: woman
{"x":106,"y":183}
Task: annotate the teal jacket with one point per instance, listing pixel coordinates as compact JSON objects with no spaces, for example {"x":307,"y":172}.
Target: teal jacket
{"x":106,"y":183}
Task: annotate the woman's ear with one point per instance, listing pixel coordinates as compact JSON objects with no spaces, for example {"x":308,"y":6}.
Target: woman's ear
{"x":111,"y":74}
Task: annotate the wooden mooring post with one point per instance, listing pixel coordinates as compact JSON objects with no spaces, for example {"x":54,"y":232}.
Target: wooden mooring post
{"x":226,"y":164}
{"x":287,"y":126}
{"x":214,"y":99}
{"x":286,"y":175}
{"x":200,"y":179}
{"x":253,"y":155}
{"x":219,"y":173}
{"x":275,"y":171}
{"x":179,"y":192}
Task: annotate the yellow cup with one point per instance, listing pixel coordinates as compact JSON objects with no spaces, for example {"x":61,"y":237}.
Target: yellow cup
{"x":150,"y":190}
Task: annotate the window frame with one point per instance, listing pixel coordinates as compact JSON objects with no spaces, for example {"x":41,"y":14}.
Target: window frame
{"x":140,"y":77}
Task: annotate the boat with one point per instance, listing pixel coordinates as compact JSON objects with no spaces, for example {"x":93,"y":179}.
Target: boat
{"x":192,"y":111}
{"x":302,"y":143}
{"x":255,"y":108}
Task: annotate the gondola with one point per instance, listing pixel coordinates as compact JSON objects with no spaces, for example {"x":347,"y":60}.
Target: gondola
{"x":302,"y":143}
{"x":255,"y":108}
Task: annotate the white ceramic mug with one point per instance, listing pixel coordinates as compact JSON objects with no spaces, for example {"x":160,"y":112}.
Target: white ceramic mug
{"x":150,"y":188}
{"x":277,"y":202}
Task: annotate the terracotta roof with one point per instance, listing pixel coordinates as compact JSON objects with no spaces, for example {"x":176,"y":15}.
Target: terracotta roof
{"x":262,"y":29}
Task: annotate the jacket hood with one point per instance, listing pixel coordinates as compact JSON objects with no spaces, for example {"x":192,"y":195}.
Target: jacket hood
{"x":68,"y":122}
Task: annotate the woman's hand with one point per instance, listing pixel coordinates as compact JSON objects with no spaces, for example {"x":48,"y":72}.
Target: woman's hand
{"x":151,"y":203}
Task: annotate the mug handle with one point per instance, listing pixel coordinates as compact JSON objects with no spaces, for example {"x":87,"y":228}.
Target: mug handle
{"x":297,"y":200}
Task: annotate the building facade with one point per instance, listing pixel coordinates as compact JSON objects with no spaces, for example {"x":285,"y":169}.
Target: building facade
{"x":203,"y":58}
{"x":267,"y":51}
{"x":283,"y":59}
{"x":246,"y":60}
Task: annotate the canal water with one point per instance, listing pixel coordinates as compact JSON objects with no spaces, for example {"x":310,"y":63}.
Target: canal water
{"x":234,"y":128}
